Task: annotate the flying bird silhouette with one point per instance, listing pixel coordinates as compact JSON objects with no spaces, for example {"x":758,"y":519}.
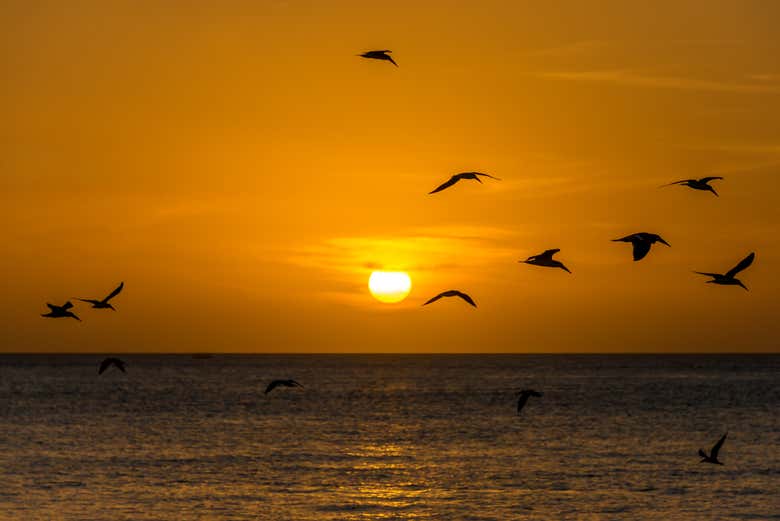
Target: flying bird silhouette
{"x":283,"y":383}
{"x":108,"y":362}
{"x":60,"y":311}
{"x":697,"y":184}
{"x":452,"y":293}
{"x":642,"y":242}
{"x":546,"y":259}
{"x":713,"y":457}
{"x":463,"y":175}
{"x":103,"y":304}
{"x":379,"y":55}
{"x":523,"y":397}
{"x":728,"y":278}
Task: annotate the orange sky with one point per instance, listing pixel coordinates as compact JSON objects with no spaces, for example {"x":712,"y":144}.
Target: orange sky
{"x":243,"y":172}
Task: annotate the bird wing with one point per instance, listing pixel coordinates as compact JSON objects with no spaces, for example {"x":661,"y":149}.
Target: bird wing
{"x":295,"y":383}
{"x":271,"y":386}
{"x":744,"y":263}
{"x":391,"y":60}
{"x":91,"y":301}
{"x":521,"y":401}
{"x":120,"y":364}
{"x":713,"y":275}
{"x":434,"y":299}
{"x":454,"y":179}
{"x":661,"y":240}
{"x":678,"y":182}
{"x":549,"y":253}
{"x":702,"y":454}
{"x":708,"y":179}
{"x":640,"y":249}
{"x":67,"y":305}
{"x":716,"y":448}
{"x":466,"y":298}
{"x":487,"y":175}
{"x":52,"y":307}
{"x":115,"y":292}
{"x":104,"y":365}
{"x":535,"y":393}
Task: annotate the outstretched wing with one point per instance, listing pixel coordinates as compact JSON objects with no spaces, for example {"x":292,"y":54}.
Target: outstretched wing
{"x":120,"y":364}
{"x":678,"y":182}
{"x":434,"y":299}
{"x":67,"y":305}
{"x":115,"y":292}
{"x":549,"y":253}
{"x":486,"y":175}
{"x":294,"y":383}
{"x":91,"y":301}
{"x":466,"y":298}
{"x":640,"y":249}
{"x":104,"y":365}
{"x":454,"y":179}
{"x":273,"y":385}
{"x":52,"y":307}
{"x":708,"y":179}
{"x":521,"y":402}
{"x":391,"y":59}
{"x":717,"y":446}
{"x":744,"y":263}
{"x":713,"y":275}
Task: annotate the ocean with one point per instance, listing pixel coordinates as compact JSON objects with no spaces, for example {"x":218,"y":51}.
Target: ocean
{"x":385,"y":437}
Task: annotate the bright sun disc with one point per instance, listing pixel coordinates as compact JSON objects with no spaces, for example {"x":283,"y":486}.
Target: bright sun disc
{"x":389,"y":286}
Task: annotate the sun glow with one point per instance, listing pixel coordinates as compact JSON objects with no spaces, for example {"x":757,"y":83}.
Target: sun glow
{"x":389,"y":286}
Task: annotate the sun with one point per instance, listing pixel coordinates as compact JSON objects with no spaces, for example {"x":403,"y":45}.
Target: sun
{"x":389,"y":286}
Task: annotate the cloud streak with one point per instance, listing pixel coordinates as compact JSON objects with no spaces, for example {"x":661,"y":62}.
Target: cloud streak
{"x":631,"y":78}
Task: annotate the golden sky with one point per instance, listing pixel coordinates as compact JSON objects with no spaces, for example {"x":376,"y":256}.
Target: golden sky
{"x":243,"y":172}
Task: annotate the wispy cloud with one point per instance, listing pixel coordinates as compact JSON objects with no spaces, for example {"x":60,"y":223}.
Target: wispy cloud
{"x":636,"y":79}
{"x":420,"y":250}
{"x":570,"y":49}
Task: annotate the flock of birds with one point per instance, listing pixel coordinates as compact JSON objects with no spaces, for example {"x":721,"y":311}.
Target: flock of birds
{"x":641,"y":243}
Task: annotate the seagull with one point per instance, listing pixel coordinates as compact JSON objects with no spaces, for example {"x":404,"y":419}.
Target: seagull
{"x":728,"y":279}
{"x":108,"y":362}
{"x":60,"y":311}
{"x":697,"y":184}
{"x":103,"y":304}
{"x":463,"y":175}
{"x":713,"y":457}
{"x":452,"y":293}
{"x":379,"y":55}
{"x":545,"y":259}
{"x":523,"y":397}
{"x":284,"y":383}
{"x":642,"y":242}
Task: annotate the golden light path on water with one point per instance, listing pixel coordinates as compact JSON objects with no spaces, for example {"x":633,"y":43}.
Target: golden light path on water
{"x":389,"y":286}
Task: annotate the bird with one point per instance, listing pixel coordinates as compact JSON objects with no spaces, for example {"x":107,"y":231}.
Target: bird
{"x":379,"y":55}
{"x":728,"y":278}
{"x":108,"y":362}
{"x":284,"y":383}
{"x":452,"y":293}
{"x":463,"y":175}
{"x":545,"y":259}
{"x":103,"y":304}
{"x":60,"y":311}
{"x":697,"y":184}
{"x":642,"y":242}
{"x":713,"y":457}
{"x":523,"y":397}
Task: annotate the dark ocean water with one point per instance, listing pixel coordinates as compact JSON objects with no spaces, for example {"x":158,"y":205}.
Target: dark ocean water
{"x":389,"y":437}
